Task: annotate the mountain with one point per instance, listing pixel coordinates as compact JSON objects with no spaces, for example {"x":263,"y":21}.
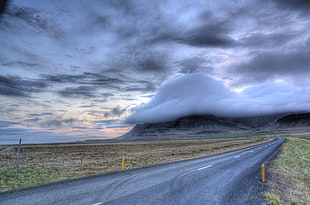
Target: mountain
{"x":204,"y":125}
{"x":301,"y":120}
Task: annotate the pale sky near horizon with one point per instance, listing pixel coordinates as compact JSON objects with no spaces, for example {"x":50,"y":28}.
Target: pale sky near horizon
{"x":76,"y":69}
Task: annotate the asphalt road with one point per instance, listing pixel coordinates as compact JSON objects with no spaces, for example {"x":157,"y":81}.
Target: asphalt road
{"x":229,"y":178}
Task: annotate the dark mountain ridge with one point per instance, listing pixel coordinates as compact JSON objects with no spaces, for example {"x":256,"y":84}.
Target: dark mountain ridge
{"x":293,"y":120}
{"x":204,"y":125}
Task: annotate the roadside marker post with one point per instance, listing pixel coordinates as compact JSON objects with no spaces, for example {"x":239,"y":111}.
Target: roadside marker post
{"x":123,"y":163}
{"x":263,"y":173}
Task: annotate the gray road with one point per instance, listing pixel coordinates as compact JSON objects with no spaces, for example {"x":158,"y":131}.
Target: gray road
{"x":229,"y":178}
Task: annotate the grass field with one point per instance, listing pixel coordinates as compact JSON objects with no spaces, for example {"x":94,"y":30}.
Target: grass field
{"x":42,"y":164}
{"x":291,"y":172}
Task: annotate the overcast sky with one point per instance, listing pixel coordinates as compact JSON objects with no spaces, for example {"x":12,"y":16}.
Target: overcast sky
{"x":75,"y":70}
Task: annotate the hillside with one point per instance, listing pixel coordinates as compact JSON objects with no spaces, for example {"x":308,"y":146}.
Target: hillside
{"x":298,"y":121}
{"x":203,"y":125}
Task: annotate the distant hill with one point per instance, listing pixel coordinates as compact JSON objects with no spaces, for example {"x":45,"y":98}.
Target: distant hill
{"x":204,"y":125}
{"x":293,"y":121}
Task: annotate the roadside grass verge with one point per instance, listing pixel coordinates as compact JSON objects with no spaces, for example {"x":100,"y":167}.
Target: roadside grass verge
{"x":41,"y":164}
{"x":290,"y":172}
{"x":29,"y":176}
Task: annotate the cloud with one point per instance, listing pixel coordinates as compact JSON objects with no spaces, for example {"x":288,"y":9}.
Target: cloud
{"x":302,"y":5}
{"x":3,"y":5}
{"x":87,"y":106}
{"x":196,"y":94}
{"x":17,"y":87}
{"x":214,"y":34}
{"x":271,"y":65}
{"x":208,"y":31}
{"x":140,"y":86}
{"x":71,"y":55}
{"x":87,"y":85}
{"x":115,"y":112}
{"x":4,"y":124}
{"x":32,"y":120}
{"x":81,"y":91}
{"x":59,"y":123}
{"x":114,"y":123}
{"x":30,"y":16}
{"x":85,"y":78}
{"x":193,"y":65}
{"x":262,"y":40}
{"x":40,"y":115}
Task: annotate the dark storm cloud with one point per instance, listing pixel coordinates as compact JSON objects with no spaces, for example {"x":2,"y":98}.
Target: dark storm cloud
{"x":18,"y":87}
{"x":302,"y":5}
{"x":3,"y":6}
{"x":268,"y":65}
{"x":209,"y":35}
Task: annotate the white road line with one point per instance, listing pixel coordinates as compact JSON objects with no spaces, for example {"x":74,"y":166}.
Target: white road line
{"x":97,"y":203}
{"x":237,"y":156}
{"x":205,"y":167}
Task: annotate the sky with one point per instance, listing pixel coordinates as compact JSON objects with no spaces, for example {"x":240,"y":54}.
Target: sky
{"x":75,"y":70}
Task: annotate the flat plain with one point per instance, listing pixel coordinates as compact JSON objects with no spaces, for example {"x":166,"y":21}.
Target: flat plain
{"x":45,"y":163}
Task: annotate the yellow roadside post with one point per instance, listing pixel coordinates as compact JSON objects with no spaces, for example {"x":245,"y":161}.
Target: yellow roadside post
{"x":263,"y":173}
{"x":123,"y":163}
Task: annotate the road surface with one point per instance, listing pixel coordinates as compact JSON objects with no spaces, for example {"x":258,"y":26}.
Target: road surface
{"x":229,"y":178}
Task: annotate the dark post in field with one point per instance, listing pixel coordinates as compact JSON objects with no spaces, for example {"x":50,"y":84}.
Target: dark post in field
{"x":18,"y":155}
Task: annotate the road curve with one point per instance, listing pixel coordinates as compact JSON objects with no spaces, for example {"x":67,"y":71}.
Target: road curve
{"x":228,"y":178}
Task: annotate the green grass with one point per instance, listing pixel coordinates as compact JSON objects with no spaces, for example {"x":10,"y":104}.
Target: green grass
{"x":28,"y":176}
{"x":291,"y":172}
{"x":272,"y":199}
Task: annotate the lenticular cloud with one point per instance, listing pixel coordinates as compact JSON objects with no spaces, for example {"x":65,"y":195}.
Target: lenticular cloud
{"x":197,"y":94}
